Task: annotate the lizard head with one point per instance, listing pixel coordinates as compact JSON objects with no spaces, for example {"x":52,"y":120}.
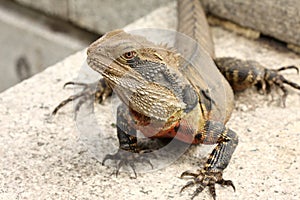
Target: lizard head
{"x":117,"y":51}
{"x":129,"y":63}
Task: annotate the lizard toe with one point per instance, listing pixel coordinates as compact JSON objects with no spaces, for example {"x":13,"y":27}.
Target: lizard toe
{"x":97,"y":91}
{"x":130,"y":159}
{"x":203,"y":179}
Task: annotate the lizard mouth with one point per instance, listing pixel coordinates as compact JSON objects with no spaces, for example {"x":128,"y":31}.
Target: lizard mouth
{"x":99,"y":65}
{"x":108,"y":68}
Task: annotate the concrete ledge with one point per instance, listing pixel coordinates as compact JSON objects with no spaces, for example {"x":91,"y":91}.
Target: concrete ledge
{"x":271,"y":17}
{"x":97,"y":16}
{"x":44,"y":159}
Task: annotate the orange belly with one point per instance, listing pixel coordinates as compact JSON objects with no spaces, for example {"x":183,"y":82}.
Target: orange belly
{"x":179,"y":130}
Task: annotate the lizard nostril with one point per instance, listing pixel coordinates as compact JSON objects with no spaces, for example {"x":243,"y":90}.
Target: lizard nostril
{"x":93,"y":48}
{"x":90,"y":50}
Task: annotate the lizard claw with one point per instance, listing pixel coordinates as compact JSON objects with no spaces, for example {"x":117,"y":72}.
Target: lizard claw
{"x":98,"y":91}
{"x":204,"y":179}
{"x":272,"y":77}
{"x":127,"y":158}
{"x":85,"y":85}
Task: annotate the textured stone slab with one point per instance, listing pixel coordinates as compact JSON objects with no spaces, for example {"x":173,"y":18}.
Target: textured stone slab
{"x":46,"y":159}
{"x":276,"y":18}
{"x":99,"y":16}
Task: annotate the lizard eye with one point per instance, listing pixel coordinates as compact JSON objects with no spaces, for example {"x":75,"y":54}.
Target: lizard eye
{"x":129,"y":54}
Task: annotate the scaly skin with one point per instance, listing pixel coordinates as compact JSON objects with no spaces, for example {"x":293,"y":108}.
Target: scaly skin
{"x":163,"y":98}
{"x":157,"y":105}
{"x":242,"y":74}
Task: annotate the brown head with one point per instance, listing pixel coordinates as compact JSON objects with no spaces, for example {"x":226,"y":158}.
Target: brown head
{"x":114,"y":55}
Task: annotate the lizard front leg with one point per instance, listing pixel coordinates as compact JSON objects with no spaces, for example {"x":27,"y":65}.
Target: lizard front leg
{"x":242,"y":74}
{"x":211,"y":174}
{"x":97,"y":91}
{"x":129,"y":153}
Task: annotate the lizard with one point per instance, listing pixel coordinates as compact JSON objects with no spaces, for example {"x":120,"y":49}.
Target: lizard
{"x":163,"y":107}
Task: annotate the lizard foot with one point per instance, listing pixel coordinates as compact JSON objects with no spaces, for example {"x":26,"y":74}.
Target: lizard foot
{"x":98,"y":91}
{"x":272,"y":77}
{"x":127,"y":158}
{"x":205,"y":179}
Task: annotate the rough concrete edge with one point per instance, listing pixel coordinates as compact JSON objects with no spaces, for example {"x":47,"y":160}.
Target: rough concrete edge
{"x":241,"y":27}
{"x":85,"y":15}
{"x":231,"y":26}
{"x":247,"y":32}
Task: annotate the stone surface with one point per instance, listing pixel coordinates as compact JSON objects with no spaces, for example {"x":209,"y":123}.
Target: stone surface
{"x":42,"y":158}
{"x":99,"y":16}
{"x":279,"y":19}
